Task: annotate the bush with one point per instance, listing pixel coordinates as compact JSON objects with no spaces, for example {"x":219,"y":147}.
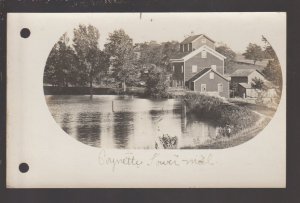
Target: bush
{"x":156,"y":83}
{"x":229,"y":116}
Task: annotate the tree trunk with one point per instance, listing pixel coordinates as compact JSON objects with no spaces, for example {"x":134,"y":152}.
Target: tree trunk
{"x":124,"y":85}
{"x":91,"y":87}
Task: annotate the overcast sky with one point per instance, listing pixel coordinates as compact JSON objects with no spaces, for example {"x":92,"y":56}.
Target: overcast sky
{"x":234,"y":29}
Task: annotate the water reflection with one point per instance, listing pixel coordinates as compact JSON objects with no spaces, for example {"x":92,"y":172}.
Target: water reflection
{"x":128,"y":122}
{"x":123,"y":127}
{"x":88,"y":128}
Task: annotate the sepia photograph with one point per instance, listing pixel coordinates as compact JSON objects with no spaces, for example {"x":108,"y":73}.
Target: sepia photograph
{"x":164,"y":80}
{"x":146,"y":100}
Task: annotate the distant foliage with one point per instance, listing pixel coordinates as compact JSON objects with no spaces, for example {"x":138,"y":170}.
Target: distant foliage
{"x":230,"y":55}
{"x":156,"y":84}
{"x":254,"y":52}
{"x":273,"y":69}
{"x":158,"y":54}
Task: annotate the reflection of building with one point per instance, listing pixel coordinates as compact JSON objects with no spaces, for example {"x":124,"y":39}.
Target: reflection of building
{"x":199,"y":67}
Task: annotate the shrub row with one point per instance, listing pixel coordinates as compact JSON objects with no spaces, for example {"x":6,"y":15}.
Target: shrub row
{"x":220,"y":111}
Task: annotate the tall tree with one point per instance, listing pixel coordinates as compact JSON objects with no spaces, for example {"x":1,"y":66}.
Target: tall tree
{"x":273,"y":69}
{"x":156,"y":83}
{"x":254,"y":52}
{"x":230,"y":55}
{"x":85,"y":41}
{"x":122,"y":57}
{"x":61,"y":64}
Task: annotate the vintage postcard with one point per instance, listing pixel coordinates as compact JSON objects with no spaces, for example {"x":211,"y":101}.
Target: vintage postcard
{"x":143,"y":100}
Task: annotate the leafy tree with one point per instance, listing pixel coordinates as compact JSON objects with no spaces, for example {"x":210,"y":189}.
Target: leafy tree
{"x":254,"y":52}
{"x":153,"y":53}
{"x":269,"y":52}
{"x":168,"y":50}
{"x":257,"y":84}
{"x":230,"y":55}
{"x":61,"y":63}
{"x":122,"y":57}
{"x":92,"y":61}
{"x":156,"y":84}
{"x":273,"y":69}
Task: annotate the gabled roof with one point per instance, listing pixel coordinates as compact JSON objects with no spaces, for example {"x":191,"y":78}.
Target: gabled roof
{"x":197,"y":51}
{"x":244,"y":72}
{"x":245,"y":85}
{"x":203,"y":72}
{"x":179,"y":55}
{"x":194,"y":37}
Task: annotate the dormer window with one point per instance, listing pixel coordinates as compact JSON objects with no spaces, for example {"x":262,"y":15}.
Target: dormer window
{"x":181,"y":48}
{"x":203,"y":54}
{"x":211,"y":75}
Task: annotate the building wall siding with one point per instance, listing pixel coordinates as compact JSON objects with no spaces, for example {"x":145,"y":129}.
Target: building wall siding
{"x":197,"y":43}
{"x":202,"y":63}
{"x":212,"y":84}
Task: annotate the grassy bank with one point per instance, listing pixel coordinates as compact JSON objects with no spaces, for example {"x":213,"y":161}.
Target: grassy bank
{"x":223,"y":113}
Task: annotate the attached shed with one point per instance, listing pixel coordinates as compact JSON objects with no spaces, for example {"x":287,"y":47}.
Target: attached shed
{"x":245,"y":90}
{"x":210,"y":82}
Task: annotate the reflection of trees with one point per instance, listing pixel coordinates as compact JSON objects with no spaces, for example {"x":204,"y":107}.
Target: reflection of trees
{"x":123,"y":127}
{"x":66,"y":119}
{"x":88,"y":128}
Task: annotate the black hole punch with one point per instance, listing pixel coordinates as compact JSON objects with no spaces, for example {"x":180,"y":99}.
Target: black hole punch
{"x":25,"y":33}
{"x":23,"y":167}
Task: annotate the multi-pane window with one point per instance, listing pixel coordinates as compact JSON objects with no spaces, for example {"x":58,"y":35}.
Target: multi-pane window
{"x":194,"y":68}
{"x":203,"y":54}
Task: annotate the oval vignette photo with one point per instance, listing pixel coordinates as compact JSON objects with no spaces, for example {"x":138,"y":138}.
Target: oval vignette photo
{"x":141,"y":81}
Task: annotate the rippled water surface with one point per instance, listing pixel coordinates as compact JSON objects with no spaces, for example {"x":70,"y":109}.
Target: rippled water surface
{"x":109,"y":121}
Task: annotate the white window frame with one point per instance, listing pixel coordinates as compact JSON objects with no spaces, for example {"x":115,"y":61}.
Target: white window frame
{"x":202,"y":87}
{"x":194,"y":68}
{"x":173,"y":68}
{"x":211,"y":75}
{"x":222,"y":87}
{"x":204,"y":54}
{"x":182,"y":68}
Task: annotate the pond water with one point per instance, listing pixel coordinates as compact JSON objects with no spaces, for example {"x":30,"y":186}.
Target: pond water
{"x":112,"y":121}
